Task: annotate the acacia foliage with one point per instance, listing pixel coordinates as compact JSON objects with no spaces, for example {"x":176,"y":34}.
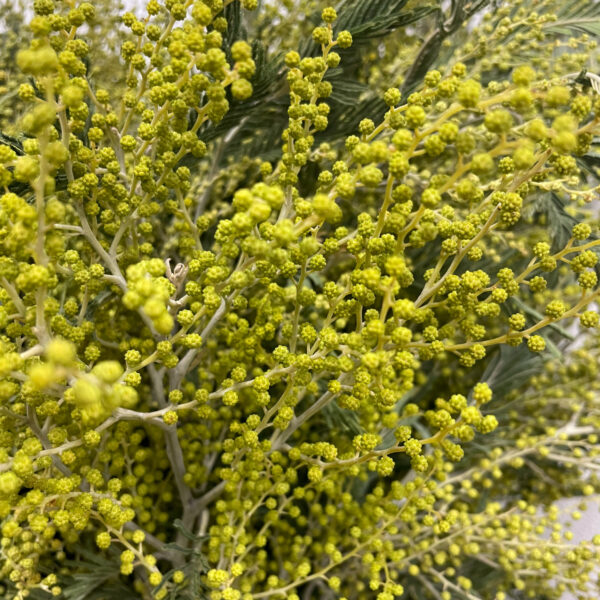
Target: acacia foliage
{"x":287,"y":299}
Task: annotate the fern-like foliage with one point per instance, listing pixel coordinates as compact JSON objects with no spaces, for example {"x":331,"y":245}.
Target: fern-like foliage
{"x":94,"y":577}
{"x":254,"y":127}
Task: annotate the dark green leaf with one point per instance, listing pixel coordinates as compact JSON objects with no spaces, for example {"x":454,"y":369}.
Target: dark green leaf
{"x":341,"y":419}
{"x":13,"y":143}
{"x":510,"y":368}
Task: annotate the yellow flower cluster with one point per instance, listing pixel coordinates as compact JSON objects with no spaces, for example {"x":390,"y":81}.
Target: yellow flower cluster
{"x":331,"y":366}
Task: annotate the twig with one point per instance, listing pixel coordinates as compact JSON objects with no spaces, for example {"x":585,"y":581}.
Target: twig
{"x":178,"y":373}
